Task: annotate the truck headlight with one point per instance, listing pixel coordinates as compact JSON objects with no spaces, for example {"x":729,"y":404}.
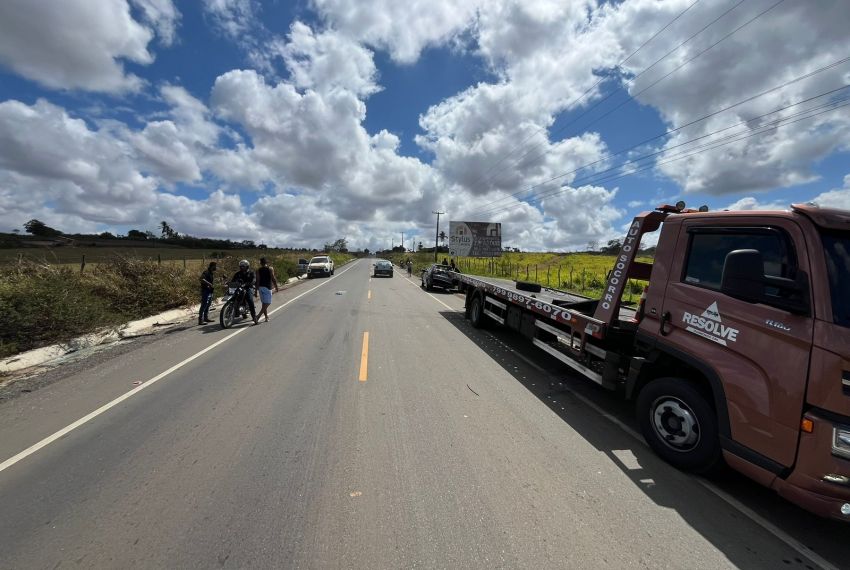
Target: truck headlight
{"x":841,"y":441}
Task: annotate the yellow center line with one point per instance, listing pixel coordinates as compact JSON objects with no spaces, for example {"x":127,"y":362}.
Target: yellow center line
{"x":364,"y":356}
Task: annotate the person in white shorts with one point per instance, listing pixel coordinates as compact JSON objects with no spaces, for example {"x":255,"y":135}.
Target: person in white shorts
{"x":265,"y":281}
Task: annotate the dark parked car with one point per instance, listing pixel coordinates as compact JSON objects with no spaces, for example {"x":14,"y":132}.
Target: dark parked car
{"x":383,"y":267}
{"x":438,"y":275}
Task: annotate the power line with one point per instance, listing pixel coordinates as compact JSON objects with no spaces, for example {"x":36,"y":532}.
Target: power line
{"x":699,"y":150}
{"x":594,"y":178}
{"x":562,"y":128}
{"x":691,"y":123}
{"x":674,"y":70}
{"x":590,"y":89}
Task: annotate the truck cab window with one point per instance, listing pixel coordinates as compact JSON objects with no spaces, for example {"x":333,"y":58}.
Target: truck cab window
{"x":837,"y":249}
{"x":708,"y":250}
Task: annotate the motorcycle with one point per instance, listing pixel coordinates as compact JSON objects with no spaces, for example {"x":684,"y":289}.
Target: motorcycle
{"x":235,"y":304}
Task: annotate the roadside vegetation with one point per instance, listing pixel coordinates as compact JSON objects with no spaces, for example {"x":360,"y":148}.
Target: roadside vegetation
{"x":580,"y":273}
{"x":44,"y":302}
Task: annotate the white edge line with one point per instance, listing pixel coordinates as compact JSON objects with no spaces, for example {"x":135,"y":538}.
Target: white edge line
{"x":433,"y":297}
{"x":778,"y":533}
{"x":88,"y":417}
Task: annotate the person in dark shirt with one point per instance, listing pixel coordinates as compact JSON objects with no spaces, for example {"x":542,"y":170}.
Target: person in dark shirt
{"x":265,"y":280}
{"x":207,"y":291}
{"x":247,"y":278}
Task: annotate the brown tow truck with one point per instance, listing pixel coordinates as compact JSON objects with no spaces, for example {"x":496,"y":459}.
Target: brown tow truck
{"x":738,"y":351}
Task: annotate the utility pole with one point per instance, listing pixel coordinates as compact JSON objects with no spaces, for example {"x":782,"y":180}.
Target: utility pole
{"x":437,"y":235}
{"x":402,"y":240}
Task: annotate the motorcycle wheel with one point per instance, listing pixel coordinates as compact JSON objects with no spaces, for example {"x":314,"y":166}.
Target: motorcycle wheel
{"x":228,"y":312}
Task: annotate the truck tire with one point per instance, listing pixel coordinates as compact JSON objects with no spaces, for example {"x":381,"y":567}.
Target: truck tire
{"x":476,"y":312}
{"x":679,"y":424}
{"x":528,"y":286}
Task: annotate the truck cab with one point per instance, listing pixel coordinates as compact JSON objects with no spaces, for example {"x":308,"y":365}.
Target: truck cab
{"x":751,"y":310}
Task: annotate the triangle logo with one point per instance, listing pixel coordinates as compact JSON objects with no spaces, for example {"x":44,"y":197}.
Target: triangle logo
{"x":712,"y":312}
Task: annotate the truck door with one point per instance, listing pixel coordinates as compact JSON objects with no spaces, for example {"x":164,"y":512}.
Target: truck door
{"x":760,"y":351}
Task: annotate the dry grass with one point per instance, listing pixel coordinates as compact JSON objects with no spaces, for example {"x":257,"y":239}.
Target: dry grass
{"x":44,"y":303}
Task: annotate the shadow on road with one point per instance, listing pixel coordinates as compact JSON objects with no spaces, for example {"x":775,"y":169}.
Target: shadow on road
{"x":666,"y":486}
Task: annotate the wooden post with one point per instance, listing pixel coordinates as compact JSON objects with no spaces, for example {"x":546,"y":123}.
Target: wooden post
{"x":526,"y":272}
{"x":158,"y":259}
{"x":184,"y":263}
{"x":535,"y":272}
{"x":560,"y":283}
{"x":547,"y":276}
{"x":83,"y":263}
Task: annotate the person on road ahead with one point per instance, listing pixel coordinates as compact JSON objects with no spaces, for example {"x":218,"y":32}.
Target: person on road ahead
{"x":207,"y":289}
{"x":409,"y":268}
{"x":247,"y":278}
{"x":265,"y":280}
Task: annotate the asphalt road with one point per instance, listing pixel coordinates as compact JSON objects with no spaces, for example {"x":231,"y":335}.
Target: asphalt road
{"x":279,"y":447}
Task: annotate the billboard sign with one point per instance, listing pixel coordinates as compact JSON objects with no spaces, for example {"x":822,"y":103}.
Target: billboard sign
{"x":475,"y":239}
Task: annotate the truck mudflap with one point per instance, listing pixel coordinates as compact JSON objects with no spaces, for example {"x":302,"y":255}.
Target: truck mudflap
{"x":820,"y":481}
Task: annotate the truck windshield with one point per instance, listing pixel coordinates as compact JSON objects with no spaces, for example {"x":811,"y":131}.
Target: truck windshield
{"x":837,"y":249}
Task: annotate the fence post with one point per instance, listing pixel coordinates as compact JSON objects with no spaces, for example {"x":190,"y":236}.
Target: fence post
{"x":184,"y":263}
{"x":526,"y":272}
{"x":83,"y":263}
{"x":582,"y":278}
{"x":158,"y":259}
{"x":535,"y":272}
{"x":547,"y":276}
{"x":560,"y":283}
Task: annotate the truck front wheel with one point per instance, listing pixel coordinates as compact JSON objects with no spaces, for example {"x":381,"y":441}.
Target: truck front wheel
{"x":679,"y":424}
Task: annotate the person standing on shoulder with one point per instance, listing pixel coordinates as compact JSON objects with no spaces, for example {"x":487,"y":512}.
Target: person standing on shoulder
{"x":207,"y":290}
{"x":247,"y":278}
{"x":265,"y":280}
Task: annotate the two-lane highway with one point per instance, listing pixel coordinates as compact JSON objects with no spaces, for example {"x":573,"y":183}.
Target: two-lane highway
{"x":367,"y":425}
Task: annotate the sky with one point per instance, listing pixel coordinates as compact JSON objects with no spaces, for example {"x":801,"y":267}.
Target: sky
{"x":296,"y":123}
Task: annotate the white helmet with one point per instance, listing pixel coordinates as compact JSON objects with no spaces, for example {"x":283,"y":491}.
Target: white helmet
{"x":244,"y":263}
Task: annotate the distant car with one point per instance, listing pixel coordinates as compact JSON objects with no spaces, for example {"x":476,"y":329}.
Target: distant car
{"x":437,"y":275}
{"x":383,"y":267}
{"x":321,"y":265}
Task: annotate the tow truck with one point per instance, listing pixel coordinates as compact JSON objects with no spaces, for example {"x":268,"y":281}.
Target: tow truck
{"x":738,"y":352}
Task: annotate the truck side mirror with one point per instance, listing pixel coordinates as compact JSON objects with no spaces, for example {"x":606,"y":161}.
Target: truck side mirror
{"x":743,"y":275}
{"x":743,"y":278}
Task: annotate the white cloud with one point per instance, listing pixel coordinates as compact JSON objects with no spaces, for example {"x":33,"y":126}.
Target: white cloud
{"x":837,"y":198}
{"x":326,"y":61}
{"x":402,"y":28}
{"x":236,"y":19}
{"x":60,"y":160}
{"x":736,"y":68}
{"x":83,"y":44}
{"x":161,"y":15}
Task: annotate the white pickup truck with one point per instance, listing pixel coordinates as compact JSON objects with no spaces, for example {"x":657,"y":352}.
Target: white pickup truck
{"x":321,"y":265}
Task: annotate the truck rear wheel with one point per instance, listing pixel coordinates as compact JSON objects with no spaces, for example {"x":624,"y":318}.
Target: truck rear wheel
{"x":476,"y":312}
{"x":679,"y":424}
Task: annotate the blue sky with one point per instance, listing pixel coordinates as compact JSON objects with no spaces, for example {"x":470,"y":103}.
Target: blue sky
{"x":295,"y":123}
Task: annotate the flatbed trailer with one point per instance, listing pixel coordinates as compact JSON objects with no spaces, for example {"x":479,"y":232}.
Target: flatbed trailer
{"x":558,"y":322}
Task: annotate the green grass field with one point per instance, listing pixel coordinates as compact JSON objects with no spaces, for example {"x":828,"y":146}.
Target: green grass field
{"x":580,"y":273}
